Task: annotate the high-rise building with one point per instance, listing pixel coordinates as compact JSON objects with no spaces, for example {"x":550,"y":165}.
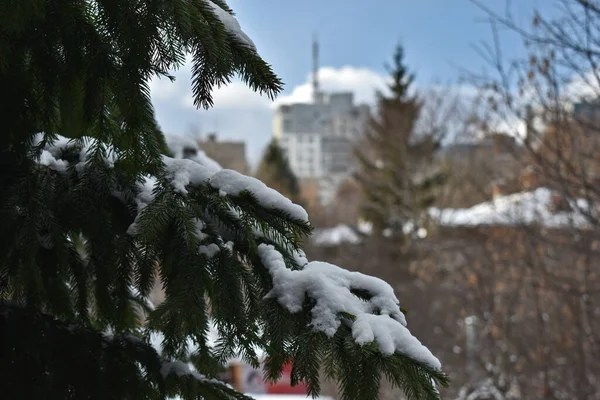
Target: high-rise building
{"x":318,"y":138}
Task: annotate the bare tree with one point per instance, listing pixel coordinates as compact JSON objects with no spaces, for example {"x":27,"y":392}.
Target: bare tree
{"x":538,"y":295}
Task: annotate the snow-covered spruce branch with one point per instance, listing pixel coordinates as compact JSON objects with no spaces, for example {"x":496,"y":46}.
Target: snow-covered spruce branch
{"x":340,"y":294}
{"x":229,"y":239}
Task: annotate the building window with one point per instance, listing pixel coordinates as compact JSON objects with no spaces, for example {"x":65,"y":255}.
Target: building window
{"x":287,"y":125}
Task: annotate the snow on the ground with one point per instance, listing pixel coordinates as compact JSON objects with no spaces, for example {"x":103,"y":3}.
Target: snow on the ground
{"x":365,"y":227}
{"x":285,"y":397}
{"x":515,"y":209}
{"x":335,"y":236}
{"x":487,"y":389}
{"x":280,"y":397}
{"x":378,"y":318}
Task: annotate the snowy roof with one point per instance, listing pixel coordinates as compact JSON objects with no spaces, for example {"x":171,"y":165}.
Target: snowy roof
{"x":522,"y":208}
{"x":335,"y":236}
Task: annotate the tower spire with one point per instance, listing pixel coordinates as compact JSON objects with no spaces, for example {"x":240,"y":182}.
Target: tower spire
{"x":315,"y":74}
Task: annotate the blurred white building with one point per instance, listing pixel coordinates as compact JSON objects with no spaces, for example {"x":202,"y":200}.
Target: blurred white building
{"x":318,"y":137}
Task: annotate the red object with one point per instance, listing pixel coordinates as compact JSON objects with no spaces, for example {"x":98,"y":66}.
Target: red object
{"x":284,"y":386}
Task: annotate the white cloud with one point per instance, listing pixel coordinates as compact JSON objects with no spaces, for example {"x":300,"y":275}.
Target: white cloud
{"x":163,"y":89}
{"x":584,"y":86}
{"x":241,"y":114}
{"x":234,"y":95}
{"x":362,"y":82}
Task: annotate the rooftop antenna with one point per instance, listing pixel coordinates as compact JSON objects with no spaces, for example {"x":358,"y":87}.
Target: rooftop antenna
{"x":315,"y":74}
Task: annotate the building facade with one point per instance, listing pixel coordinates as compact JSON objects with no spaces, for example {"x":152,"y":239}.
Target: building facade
{"x":229,"y":154}
{"x":318,"y":139}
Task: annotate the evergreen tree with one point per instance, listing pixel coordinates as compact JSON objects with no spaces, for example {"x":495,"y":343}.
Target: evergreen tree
{"x":274,"y":170}
{"x":89,"y":218}
{"x":393,"y":158}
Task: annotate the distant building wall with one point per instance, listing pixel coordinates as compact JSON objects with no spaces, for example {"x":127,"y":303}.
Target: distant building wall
{"x":229,"y":154}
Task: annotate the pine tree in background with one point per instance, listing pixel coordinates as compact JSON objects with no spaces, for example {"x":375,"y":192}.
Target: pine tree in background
{"x":393,"y":157}
{"x":91,"y":211}
{"x":274,"y":171}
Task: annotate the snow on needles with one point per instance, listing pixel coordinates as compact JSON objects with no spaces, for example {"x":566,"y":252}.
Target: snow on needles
{"x":181,"y":368}
{"x":47,"y":159}
{"x":228,"y":182}
{"x":198,"y":170}
{"x":232,"y":25}
{"x":377,"y":319}
{"x":51,"y":153}
{"x":187,"y":147}
{"x":233,"y":183}
{"x":184,"y":172}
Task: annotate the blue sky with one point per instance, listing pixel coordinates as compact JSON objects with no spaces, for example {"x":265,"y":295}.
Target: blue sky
{"x":356,"y":37}
{"x":437,"y":34}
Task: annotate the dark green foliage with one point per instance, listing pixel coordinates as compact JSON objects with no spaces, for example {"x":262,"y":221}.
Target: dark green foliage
{"x":72,"y":269}
{"x":357,"y":369}
{"x":394,"y":160}
{"x":55,"y":360}
{"x":274,"y":170}
{"x":82,"y":68}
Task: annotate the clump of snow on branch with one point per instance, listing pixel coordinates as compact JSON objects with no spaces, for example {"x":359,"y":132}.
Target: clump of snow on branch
{"x":232,"y":25}
{"x":185,"y":172}
{"x":377,"y":318}
{"x":233,"y":183}
{"x":209,"y":250}
{"x":52,"y":152}
{"x":180,"y":368}
{"x":47,"y":159}
{"x":229,"y":183}
{"x":144,"y":196}
{"x":187,"y":147}
{"x":196,"y":170}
